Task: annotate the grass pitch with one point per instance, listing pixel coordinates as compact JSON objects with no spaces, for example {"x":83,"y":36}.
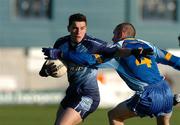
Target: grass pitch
{"x":45,"y":115}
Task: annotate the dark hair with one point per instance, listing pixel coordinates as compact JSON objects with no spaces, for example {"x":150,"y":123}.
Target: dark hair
{"x":77,"y":17}
{"x":128,"y":27}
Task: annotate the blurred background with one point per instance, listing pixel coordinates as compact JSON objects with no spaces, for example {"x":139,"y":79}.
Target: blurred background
{"x":28,"y":25}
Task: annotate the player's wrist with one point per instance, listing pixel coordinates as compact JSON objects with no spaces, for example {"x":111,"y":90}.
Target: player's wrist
{"x":55,"y":54}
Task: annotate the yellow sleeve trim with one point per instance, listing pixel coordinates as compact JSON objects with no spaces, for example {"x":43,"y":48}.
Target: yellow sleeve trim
{"x":98,"y":58}
{"x":168,"y":56}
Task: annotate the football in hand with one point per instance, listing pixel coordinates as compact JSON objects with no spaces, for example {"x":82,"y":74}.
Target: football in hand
{"x":61,"y":68}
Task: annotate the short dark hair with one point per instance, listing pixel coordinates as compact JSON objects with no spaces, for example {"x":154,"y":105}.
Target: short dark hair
{"x":77,"y":17}
{"x":130,"y":29}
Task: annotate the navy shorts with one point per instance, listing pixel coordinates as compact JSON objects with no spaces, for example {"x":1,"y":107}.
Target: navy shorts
{"x":155,"y":100}
{"x":83,"y":101}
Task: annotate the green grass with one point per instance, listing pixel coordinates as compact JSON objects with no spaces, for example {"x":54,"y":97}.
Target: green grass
{"x":45,"y":115}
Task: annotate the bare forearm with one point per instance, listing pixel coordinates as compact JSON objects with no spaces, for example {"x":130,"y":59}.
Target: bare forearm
{"x":123,"y":52}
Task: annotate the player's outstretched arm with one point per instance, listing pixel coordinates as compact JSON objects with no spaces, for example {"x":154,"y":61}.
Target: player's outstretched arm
{"x":82,"y":58}
{"x":137,"y":53}
{"x":92,"y":59}
{"x":76,"y":57}
{"x":166,"y":58}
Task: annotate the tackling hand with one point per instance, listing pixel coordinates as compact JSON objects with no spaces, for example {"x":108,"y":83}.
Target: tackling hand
{"x":51,"y":53}
{"x":140,"y":52}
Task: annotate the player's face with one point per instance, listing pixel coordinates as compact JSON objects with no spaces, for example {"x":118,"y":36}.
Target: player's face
{"x":117,"y":35}
{"x":77,"y":31}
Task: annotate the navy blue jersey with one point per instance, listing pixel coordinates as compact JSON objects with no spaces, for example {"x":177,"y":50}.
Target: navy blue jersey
{"x":78,"y":75}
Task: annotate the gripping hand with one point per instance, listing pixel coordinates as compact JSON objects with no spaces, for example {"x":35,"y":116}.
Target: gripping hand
{"x":51,"y":53}
{"x":140,"y":52}
{"x":48,"y":69}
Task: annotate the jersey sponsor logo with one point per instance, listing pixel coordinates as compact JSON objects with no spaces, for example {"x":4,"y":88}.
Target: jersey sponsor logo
{"x":145,"y":61}
{"x":77,"y":68}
